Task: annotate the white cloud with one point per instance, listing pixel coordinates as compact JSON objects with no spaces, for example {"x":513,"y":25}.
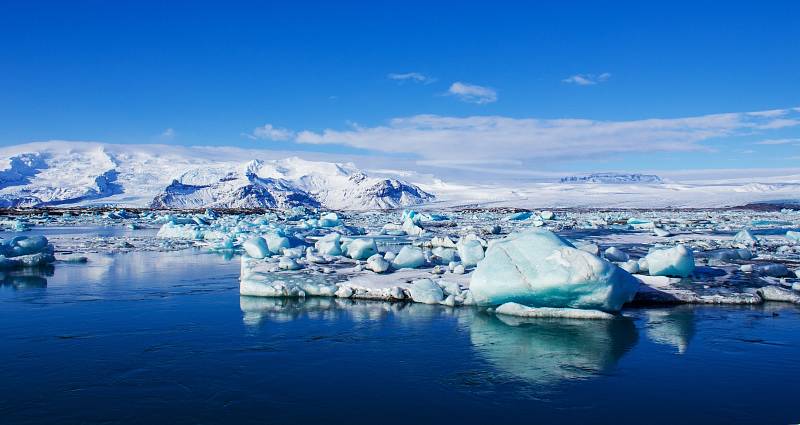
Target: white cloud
{"x":497,"y":138}
{"x":778,"y":141}
{"x":447,"y":163}
{"x":270,"y":132}
{"x":472,"y":93}
{"x":587,"y":79}
{"x":167,"y":135}
{"x":411,"y":76}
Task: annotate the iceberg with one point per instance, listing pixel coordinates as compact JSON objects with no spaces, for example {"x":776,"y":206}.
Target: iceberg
{"x":677,"y":261}
{"x":329,"y":244}
{"x":288,"y":263}
{"x":444,"y":256}
{"x":745,"y":237}
{"x":470,"y":251}
{"x":411,"y":228}
{"x":256,"y":247}
{"x":630,"y":266}
{"x":329,"y":220}
{"x":662,"y":233}
{"x":522,"y":215}
{"x":539,"y":269}
{"x":775,"y":293}
{"x":25,"y":245}
{"x":729,"y":255}
{"x":590,"y":248}
{"x":409,"y":257}
{"x":426,"y":291}
{"x":773,"y":270}
{"x":26,"y":251}
{"x":616,"y":255}
{"x":361,"y":249}
{"x":276,"y":242}
{"x":377,"y":263}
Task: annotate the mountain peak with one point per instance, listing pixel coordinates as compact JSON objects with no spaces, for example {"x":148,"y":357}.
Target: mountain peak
{"x":65,"y":173}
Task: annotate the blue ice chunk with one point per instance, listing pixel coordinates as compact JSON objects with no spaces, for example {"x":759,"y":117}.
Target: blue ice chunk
{"x":677,"y":261}
{"x":256,"y":247}
{"x":470,"y":251}
{"x":409,"y":257}
{"x":745,"y":237}
{"x":361,"y":249}
{"x":522,"y":215}
{"x":426,"y":291}
{"x":329,"y":244}
{"x":539,"y":269}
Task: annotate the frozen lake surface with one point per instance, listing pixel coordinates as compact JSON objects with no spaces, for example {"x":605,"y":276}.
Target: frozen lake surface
{"x":164,"y":337}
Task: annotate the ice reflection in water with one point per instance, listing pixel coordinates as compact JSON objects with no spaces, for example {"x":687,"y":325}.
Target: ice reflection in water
{"x":546,"y":351}
{"x":26,"y":278}
{"x":258,"y":310}
{"x":540,"y":351}
{"x":672,"y":326}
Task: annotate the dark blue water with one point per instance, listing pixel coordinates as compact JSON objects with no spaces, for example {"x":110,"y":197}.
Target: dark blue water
{"x":165,"y":338}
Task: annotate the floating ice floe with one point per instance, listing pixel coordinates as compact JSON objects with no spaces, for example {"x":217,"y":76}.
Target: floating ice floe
{"x":519,"y":310}
{"x":775,"y":293}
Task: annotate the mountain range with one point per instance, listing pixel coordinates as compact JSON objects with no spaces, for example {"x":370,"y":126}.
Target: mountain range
{"x":75,"y":173}
{"x":59,"y":173}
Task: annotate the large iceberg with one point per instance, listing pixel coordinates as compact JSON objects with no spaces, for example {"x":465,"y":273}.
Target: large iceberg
{"x":537,"y":268}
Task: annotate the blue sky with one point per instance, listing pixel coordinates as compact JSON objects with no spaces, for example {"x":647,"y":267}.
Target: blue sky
{"x":406,"y":79}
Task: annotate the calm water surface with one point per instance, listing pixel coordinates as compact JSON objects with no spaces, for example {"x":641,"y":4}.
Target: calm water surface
{"x":166,"y":338}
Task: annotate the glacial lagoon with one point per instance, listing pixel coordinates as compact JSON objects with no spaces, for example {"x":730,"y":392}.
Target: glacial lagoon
{"x":134,"y":335}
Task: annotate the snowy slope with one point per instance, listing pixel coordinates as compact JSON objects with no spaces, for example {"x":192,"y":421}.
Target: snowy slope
{"x":76,"y":173}
{"x":586,"y":195}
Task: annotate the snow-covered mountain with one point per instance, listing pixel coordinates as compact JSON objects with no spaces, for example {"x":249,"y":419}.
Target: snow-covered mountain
{"x":613,"y":178}
{"x":80,"y":174}
{"x":285,"y":183}
{"x":76,"y":173}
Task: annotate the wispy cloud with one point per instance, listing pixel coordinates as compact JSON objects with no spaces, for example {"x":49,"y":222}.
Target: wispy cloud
{"x":496,"y":139}
{"x":778,"y":142}
{"x":472,"y":93}
{"x":587,"y":79}
{"x":167,"y":135}
{"x":415,"y":77}
{"x":270,"y":132}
